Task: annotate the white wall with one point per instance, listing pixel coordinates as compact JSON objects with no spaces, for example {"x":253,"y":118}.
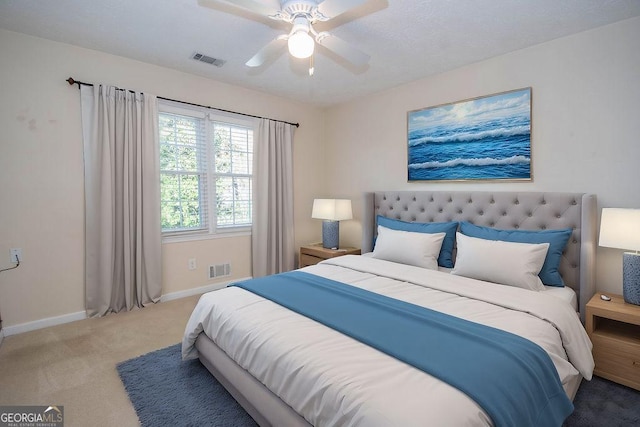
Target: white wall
{"x":41,"y":171}
{"x":585,"y":135}
{"x":586,"y":122}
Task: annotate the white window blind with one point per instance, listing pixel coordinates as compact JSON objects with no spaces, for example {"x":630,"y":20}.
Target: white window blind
{"x":183,"y":173}
{"x":233,"y":148}
{"x":205,"y":172}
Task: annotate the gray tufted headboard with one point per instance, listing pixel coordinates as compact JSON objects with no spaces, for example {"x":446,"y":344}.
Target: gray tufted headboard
{"x":504,"y":210}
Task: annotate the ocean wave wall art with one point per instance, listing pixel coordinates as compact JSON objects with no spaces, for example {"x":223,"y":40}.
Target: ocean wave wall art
{"x":486,"y":138}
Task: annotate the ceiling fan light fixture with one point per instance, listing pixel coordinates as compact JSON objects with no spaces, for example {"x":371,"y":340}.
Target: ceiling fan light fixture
{"x":301,"y":44}
{"x":302,"y":37}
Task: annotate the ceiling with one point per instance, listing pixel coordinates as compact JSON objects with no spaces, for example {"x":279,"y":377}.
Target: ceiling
{"x":407,"y":40}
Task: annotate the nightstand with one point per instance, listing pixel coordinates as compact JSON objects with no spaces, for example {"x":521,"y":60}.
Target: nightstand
{"x":313,"y":254}
{"x":614,"y":329}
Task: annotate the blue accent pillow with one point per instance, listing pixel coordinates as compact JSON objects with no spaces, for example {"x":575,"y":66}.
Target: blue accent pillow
{"x":445,"y":259}
{"x":557,"y":240}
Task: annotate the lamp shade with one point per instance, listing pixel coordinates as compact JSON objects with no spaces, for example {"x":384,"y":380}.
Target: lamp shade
{"x":332,"y":209}
{"x":620,"y":228}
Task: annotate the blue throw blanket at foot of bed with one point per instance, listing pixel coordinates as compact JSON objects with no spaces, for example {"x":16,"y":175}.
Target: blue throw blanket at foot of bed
{"x":511,"y":378}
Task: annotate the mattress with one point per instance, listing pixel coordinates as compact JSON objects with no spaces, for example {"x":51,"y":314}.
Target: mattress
{"x":331,"y":379}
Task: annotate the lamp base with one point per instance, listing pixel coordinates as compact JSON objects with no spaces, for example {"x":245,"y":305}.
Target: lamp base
{"x":631,"y":277}
{"x":330,"y":234}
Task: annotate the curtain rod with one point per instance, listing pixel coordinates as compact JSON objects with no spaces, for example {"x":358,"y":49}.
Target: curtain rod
{"x":72,"y":81}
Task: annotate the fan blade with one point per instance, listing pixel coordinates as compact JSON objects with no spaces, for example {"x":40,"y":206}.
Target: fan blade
{"x":267,"y":52}
{"x":253,"y":6}
{"x":333,"y":8}
{"x":345,"y":50}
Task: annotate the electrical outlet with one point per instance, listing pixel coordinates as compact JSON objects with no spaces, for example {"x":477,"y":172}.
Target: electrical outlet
{"x":192,"y":264}
{"x":16,"y":254}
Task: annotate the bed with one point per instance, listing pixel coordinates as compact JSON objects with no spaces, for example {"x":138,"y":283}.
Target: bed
{"x":341,"y":381}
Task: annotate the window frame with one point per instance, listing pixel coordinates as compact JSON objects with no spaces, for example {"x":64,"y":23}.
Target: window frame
{"x":210,"y":230}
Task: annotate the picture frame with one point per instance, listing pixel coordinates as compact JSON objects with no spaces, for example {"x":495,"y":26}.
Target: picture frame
{"x":477,"y":139}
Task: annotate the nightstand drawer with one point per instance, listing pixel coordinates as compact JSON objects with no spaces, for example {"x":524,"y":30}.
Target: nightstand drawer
{"x":617,"y":360}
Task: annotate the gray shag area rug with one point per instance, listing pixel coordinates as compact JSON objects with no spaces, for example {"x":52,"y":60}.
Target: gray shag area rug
{"x":165,"y":391}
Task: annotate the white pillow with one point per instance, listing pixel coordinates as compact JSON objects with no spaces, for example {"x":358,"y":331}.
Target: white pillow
{"x":406,"y":247}
{"x":507,"y":263}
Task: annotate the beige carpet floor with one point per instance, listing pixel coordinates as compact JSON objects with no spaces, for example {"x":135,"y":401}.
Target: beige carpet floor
{"x":74,"y":364}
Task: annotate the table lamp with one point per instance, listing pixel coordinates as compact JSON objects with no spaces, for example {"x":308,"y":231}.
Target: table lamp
{"x":331,"y":211}
{"x":620,"y":228}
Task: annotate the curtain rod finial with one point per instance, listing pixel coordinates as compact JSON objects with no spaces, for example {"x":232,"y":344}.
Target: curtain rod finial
{"x":71,"y":81}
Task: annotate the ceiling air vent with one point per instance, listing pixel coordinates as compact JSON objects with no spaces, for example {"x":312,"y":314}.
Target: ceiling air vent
{"x":208,"y":59}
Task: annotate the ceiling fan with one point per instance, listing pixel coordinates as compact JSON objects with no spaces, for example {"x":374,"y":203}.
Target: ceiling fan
{"x":301,"y":39}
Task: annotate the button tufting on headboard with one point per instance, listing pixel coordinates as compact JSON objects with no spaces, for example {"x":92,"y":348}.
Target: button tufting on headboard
{"x":503,"y":210}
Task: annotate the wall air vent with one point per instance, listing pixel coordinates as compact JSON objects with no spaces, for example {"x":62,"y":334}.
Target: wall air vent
{"x":208,"y":59}
{"x":219,"y":270}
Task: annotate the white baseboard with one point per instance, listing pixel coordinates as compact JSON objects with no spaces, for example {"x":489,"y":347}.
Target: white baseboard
{"x":199,"y":290}
{"x":72,"y":317}
{"x":44,"y":323}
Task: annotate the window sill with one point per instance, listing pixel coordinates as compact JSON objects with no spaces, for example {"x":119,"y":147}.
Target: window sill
{"x":189,"y":237}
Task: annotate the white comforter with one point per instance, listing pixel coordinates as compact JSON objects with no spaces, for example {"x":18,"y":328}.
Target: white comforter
{"x":332,"y":379}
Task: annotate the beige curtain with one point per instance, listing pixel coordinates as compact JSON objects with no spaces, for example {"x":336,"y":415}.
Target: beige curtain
{"x":122,"y":199}
{"x":272,"y":239}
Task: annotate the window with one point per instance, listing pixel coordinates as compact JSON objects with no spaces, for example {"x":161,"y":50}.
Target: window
{"x":183,"y":173}
{"x":233,"y":148}
{"x":205,"y":172}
